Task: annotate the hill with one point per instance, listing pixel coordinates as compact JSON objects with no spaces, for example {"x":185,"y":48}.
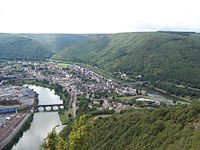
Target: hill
{"x":56,"y":42}
{"x":168,"y":56}
{"x":35,"y":46}
{"x":166,"y":128}
{"x":18,"y":47}
{"x":170,"y":128}
{"x":160,"y":55}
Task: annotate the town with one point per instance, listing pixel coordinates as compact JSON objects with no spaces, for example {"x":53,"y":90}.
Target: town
{"x":78,"y":81}
{"x":17,"y":101}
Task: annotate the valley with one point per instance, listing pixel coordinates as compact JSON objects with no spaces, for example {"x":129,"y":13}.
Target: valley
{"x":82,"y":91}
{"x":107,"y":78}
{"x":99,"y":75}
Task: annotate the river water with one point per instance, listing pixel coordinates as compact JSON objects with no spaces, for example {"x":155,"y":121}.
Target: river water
{"x":42,"y":123}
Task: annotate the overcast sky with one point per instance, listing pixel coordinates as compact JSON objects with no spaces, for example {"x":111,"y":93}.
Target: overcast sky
{"x":98,"y":16}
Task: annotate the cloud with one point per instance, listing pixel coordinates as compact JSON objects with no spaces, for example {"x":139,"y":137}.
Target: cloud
{"x":99,"y":16}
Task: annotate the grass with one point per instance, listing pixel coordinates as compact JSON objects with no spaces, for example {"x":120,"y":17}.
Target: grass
{"x":63,"y":65}
{"x":132,"y":97}
{"x":63,"y":116}
{"x":71,"y":112}
{"x":188,"y":99}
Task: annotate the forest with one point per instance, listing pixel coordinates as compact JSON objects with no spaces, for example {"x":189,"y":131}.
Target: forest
{"x":166,"y":56}
{"x":174,"y":127}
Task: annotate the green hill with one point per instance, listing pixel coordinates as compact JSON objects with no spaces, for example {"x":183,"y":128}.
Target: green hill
{"x":35,"y":46}
{"x":166,"y":128}
{"x":169,"y":128}
{"x":169,"y":56}
{"x":18,"y":47}
{"x":172,"y":56}
{"x":56,"y":42}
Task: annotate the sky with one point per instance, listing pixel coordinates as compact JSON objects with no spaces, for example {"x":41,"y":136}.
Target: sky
{"x":98,"y":16}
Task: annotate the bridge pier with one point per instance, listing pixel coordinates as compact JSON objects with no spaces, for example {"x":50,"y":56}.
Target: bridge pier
{"x":52,"y":108}
{"x":44,"y":108}
{"x":49,"y":105}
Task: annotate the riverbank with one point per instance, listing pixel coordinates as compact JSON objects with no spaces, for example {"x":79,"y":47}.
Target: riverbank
{"x":43,"y":122}
{"x":176,"y":98}
{"x":17,"y":132}
{"x":16,"y":123}
{"x":64,"y":95}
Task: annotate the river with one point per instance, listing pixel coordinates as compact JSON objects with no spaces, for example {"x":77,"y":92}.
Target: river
{"x":42,"y":123}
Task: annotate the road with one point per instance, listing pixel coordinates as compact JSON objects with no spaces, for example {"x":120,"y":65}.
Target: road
{"x":187,"y":87}
{"x":74,"y":101}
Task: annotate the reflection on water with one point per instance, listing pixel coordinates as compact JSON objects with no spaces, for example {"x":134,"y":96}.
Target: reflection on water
{"x":42,"y":123}
{"x":46,"y":96}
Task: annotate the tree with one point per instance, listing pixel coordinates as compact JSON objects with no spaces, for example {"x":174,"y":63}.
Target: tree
{"x":54,"y":142}
{"x":78,"y":137}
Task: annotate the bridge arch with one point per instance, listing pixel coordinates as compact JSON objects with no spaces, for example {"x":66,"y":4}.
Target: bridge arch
{"x":49,"y":107}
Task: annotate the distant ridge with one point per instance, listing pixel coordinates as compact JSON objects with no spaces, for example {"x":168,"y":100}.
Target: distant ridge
{"x":178,"y":32}
{"x":161,"y":55}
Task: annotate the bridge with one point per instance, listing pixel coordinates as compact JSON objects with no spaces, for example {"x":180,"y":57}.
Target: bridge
{"x":51,"y":106}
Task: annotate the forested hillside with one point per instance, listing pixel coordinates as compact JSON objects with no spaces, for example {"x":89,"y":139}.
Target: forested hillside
{"x":35,"y":46}
{"x":16,"y":47}
{"x":165,"y":56}
{"x":170,"y":128}
{"x":156,"y":55}
{"x":56,"y":42}
{"x":166,"y":128}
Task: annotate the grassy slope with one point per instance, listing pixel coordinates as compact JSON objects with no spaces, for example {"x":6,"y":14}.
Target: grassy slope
{"x":157,"y":55}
